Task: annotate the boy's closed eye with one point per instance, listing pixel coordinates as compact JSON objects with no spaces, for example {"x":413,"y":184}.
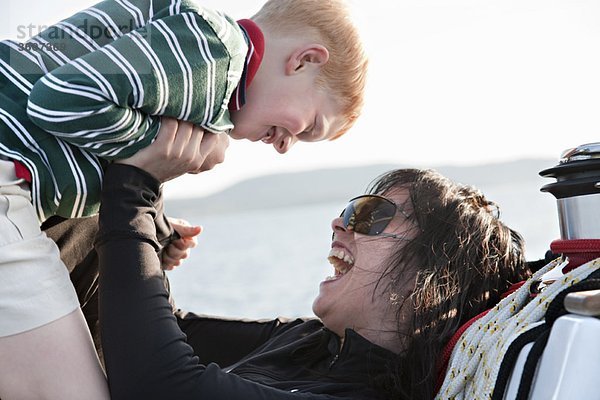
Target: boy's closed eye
{"x":306,"y":135}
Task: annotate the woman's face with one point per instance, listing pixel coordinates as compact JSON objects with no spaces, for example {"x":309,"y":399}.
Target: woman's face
{"x":349,"y":298}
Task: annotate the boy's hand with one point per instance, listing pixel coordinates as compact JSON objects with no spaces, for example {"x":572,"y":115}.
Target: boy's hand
{"x":179,"y":249}
{"x":180,"y":147}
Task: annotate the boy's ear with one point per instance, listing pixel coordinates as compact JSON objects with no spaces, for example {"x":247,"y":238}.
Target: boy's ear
{"x":306,"y":56}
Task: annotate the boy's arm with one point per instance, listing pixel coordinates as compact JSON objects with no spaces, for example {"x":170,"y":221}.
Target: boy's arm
{"x":184,"y":65}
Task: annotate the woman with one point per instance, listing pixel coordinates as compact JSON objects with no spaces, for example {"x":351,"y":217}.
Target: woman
{"x":413,"y":260}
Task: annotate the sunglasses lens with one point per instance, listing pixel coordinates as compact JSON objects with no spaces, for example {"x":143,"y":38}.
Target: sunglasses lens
{"x":368,"y":215}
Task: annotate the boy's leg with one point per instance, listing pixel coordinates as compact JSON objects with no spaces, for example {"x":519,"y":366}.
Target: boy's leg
{"x":46,"y":351}
{"x":54,"y":361}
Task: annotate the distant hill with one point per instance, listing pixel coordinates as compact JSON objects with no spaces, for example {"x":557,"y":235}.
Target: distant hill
{"x":290,"y":189}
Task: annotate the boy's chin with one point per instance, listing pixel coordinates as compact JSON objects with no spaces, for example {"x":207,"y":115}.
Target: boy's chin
{"x":239,"y":135}
{"x":234,"y":134}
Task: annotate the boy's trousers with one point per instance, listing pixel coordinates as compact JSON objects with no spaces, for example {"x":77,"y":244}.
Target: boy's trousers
{"x":34,"y":283}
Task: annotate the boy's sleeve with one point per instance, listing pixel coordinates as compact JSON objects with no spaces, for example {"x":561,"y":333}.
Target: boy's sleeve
{"x":108,"y":101}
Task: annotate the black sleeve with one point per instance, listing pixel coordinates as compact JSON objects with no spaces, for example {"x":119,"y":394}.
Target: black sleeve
{"x":145,"y":351}
{"x":214,"y":339}
{"x":230,"y":339}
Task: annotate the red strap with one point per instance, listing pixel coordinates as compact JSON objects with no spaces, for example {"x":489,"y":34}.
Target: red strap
{"x":447,"y":352}
{"x":513,"y":288}
{"x":579,"y":251}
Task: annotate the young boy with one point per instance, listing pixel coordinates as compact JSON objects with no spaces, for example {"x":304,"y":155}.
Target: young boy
{"x":99,"y":80}
{"x":92,"y":89}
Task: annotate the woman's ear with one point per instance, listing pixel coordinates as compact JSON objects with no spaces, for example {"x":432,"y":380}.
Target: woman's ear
{"x":306,"y":56}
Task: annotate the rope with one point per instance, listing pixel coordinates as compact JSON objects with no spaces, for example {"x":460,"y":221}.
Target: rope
{"x":475,"y":362}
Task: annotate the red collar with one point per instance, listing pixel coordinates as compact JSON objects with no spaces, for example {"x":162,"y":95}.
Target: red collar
{"x":256,"y":50}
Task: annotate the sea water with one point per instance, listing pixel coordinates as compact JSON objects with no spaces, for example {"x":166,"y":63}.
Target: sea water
{"x":269,"y":262}
{"x":257,"y":264}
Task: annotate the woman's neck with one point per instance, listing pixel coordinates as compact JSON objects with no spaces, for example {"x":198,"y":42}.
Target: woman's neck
{"x":386,"y":338}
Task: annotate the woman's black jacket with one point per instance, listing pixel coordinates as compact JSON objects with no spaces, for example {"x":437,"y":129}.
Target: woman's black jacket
{"x":152,"y":353}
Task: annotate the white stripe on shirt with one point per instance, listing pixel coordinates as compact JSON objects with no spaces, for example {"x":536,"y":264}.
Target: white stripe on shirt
{"x":130,"y":73}
{"x":186,"y":69}
{"x":44,"y":46}
{"x":204,"y":49}
{"x":79,"y":35}
{"x":106,"y":20}
{"x":163,"y":82}
{"x":80,"y":196}
{"x":135,"y":12}
{"x":97,"y":77}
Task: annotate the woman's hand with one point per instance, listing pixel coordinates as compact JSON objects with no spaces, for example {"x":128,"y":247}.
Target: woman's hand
{"x":217,"y":155}
{"x":179,"y":249}
{"x":180,"y":147}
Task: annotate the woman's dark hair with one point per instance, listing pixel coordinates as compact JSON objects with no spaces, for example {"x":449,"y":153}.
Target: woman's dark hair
{"x":463,"y":258}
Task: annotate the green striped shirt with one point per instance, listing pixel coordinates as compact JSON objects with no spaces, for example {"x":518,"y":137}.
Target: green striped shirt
{"x":92,"y":87}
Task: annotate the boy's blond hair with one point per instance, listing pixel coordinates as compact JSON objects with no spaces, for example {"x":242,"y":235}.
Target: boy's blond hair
{"x":329,"y":20}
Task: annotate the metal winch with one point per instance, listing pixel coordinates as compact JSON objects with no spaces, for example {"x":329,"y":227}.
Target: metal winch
{"x":577,"y":191}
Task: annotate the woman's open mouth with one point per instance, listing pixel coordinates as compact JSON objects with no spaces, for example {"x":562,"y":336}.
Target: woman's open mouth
{"x":341,"y":260}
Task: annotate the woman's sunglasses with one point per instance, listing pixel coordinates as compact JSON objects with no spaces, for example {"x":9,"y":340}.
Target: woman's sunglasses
{"x":370,"y":215}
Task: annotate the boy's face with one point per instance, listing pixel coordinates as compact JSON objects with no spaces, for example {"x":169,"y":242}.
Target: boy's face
{"x":282,"y":109}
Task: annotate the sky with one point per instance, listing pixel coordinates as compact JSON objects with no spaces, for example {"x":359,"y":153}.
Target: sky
{"x":451,"y":82}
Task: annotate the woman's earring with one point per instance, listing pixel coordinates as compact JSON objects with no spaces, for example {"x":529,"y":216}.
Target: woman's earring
{"x":395,"y":298}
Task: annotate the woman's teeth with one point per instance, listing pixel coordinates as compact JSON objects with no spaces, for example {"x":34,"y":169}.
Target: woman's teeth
{"x":342,"y":262}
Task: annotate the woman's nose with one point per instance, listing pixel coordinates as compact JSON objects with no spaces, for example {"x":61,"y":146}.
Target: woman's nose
{"x":337,"y":225}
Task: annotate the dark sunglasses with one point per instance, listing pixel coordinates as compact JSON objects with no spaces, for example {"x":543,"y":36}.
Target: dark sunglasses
{"x":370,"y":215}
